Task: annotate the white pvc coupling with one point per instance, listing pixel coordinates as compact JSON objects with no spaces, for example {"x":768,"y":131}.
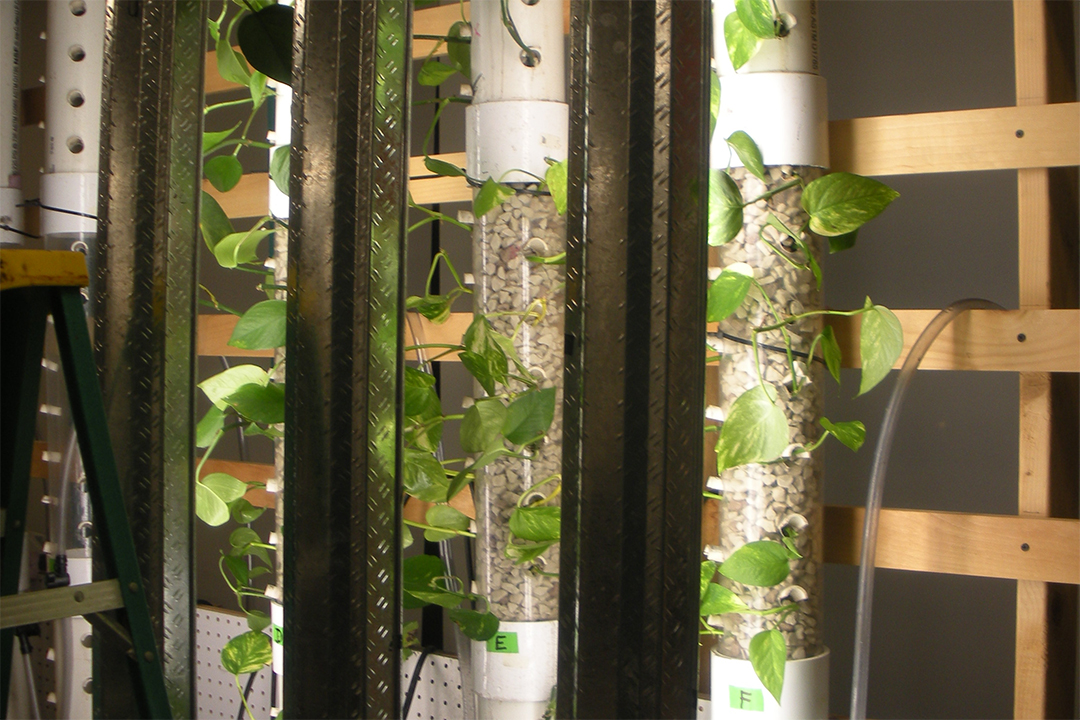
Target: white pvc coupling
{"x":737,"y":693}
{"x":518,"y":116}
{"x":515,"y":671}
{"x":795,"y":52}
{"x":74,"y":192}
{"x":777,"y":98}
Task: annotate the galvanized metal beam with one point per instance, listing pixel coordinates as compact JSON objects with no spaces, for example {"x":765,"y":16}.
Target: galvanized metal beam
{"x":635,"y":328}
{"x":143,"y":281}
{"x":342,"y":526}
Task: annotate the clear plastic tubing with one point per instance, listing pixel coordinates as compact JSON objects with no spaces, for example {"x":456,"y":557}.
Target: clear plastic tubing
{"x":865,"y":595}
{"x":761,"y":500}
{"x":523,"y":300}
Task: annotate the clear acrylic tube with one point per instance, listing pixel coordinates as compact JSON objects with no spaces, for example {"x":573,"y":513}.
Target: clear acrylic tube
{"x":524,"y":300}
{"x":760,"y":500}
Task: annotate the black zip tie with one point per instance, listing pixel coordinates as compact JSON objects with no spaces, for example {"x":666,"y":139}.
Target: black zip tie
{"x":20,"y":232}
{"x":38,"y":203}
{"x":771,"y":348}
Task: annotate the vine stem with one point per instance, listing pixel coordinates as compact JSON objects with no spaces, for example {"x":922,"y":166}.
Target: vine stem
{"x":778,"y":189}
{"x":422,"y":526}
{"x":790,"y":320}
{"x":242,"y":698}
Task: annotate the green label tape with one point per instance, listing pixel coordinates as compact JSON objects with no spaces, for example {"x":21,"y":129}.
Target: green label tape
{"x":746,"y":699}
{"x":504,"y":642}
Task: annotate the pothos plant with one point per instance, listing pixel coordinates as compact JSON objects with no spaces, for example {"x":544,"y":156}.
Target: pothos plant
{"x":516,"y":412}
{"x":755,"y":429}
{"x":508,"y":422}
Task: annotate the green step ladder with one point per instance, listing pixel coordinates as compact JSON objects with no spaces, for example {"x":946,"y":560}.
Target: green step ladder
{"x":33,"y":285}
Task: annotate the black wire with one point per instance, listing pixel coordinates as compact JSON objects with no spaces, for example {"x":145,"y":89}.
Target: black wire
{"x":36,"y":202}
{"x":770,"y":348}
{"x":20,"y":232}
{"x":412,"y":683}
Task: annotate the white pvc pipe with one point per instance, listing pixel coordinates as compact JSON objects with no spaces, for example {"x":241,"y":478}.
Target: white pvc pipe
{"x":518,"y":115}
{"x":279,"y":137}
{"x":517,"y":120}
{"x":73,"y":66}
{"x":737,"y":693}
{"x":777,"y":98}
{"x":10,"y":186}
{"x":514,"y":672}
{"x":75,"y":35}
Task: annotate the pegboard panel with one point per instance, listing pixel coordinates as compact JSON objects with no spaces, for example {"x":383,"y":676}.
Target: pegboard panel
{"x":438,"y":690}
{"x":216,"y":688}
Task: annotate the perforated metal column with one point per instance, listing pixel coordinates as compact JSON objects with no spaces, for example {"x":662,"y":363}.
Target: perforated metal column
{"x":143,"y":298}
{"x":343,"y":379}
{"x":635,"y":360}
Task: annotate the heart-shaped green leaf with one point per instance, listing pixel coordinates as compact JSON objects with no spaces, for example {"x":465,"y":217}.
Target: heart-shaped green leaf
{"x":539,"y":524}
{"x":522,"y":553}
{"x":443,"y":168}
{"x":755,"y":431}
{"x":728,"y":291}
{"x":209,"y":507}
{"x":768,"y":654}
{"x":225,"y":383}
{"x":708,"y":570}
{"x":719,"y":600}
{"x":881,"y":340}
{"x":211,"y":139}
{"x":260,"y":328}
{"x":491,"y":195}
{"x":225,"y":486}
{"x":417,"y":575}
{"x":459,"y":52}
{"x":424,"y":477}
{"x":748,"y":152}
{"x":247,"y":653}
{"x":762,"y":563}
{"x":279,"y":168}
{"x":208,"y":428}
{"x":240,"y":247}
{"x":243,"y":512}
{"x":529,"y":416}
{"x":556,"y":180}
{"x":482,"y":425}
{"x":266,"y":39}
{"x":213,"y":222}
{"x":852,"y":432}
{"x":475,"y":625}
{"x":758,"y":17}
{"x":263,"y":404}
{"x":742,"y":45}
{"x":725,"y":208}
{"x":841,"y":202}
{"x":830,"y":348}
{"x":434,"y":73}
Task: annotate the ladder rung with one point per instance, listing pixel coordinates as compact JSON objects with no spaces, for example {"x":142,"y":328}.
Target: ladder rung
{"x":42,"y":605}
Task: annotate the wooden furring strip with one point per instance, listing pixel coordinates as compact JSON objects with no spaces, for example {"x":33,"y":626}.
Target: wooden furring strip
{"x":999,"y":546}
{"x":964,"y":140}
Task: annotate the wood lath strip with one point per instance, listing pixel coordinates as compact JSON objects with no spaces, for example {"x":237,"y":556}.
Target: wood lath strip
{"x":895,"y":145}
{"x":999,"y":546}
{"x":981,"y":340}
{"x":965,"y":140}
